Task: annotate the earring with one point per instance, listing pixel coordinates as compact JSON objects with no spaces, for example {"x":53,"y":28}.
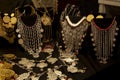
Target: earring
{"x":46,"y":20}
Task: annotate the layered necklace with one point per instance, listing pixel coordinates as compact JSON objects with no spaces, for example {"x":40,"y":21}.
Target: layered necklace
{"x":30,"y":37}
{"x":104,"y":40}
{"x":73,"y":33}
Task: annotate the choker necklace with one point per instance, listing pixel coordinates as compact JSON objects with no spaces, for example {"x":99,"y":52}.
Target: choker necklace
{"x":74,"y":24}
{"x":30,"y":36}
{"x":104,"y":40}
{"x":73,"y":34}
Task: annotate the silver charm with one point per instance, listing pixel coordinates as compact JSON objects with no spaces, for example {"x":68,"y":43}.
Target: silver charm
{"x":52,"y":60}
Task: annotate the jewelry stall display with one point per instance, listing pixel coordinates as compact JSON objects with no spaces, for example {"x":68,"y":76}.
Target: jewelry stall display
{"x":7,"y":26}
{"x":30,"y":37}
{"x":104,"y":37}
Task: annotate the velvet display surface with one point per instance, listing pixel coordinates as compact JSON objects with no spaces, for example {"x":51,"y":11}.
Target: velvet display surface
{"x":20,"y":53}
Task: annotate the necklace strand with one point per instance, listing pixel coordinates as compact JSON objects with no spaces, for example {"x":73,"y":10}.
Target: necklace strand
{"x":104,"y":40}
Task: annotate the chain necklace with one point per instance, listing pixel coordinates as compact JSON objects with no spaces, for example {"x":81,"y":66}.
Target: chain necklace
{"x":73,"y":34}
{"x":104,"y":40}
{"x":30,"y":36}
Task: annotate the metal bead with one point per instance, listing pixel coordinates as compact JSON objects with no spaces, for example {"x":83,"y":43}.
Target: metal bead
{"x":117,"y":29}
{"x":95,"y":49}
{"x":114,"y":39}
{"x":17,"y":30}
{"x":91,"y":34}
{"x":113,"y":45}
{"x":79,"y":44}
{"x":19,"y":36}
{"x":41,"y":30}
{"x":93,"y":44}
{"x":92,"y":39}
{"x":116,"y":34}
{"x":63,"y":35}
{"x":61,"y":31}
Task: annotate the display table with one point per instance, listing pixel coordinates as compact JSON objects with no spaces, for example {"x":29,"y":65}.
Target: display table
{"x":94,"y":71}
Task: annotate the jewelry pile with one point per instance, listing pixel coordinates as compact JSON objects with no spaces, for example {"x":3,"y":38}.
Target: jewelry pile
{"x":7,"y":27}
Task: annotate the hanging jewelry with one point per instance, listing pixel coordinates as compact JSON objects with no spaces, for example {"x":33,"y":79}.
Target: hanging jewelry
{"x":30,"y":37}
{"x":46,"y":20}
{"x":104,"y":40}
{"x":73,"y":34}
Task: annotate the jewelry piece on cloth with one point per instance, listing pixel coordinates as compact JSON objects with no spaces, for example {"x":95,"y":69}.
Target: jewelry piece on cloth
{"x":5,"y":65}
{"x":6,"y":74}
{"x":104,"y":40}
{"x":42,"y":65}
{"x":51,"y":75}
{"x":30,"y":37}
{"x":52,"y":60}
{"x":73,"y":34}
{"x":23,"y":76}
{"x":27,"y":63}
{"x":9,"y":56}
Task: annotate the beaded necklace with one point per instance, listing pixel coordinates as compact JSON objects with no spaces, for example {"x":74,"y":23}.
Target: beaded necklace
{"x":104,"y":40}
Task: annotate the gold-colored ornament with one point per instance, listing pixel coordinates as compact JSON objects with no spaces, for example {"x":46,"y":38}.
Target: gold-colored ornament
{"x":99,"y":17}
{"x":46,"y":20}
{"x":6,"y":18}
{"x":9,"y":56}
{"x":90,"y":17}
{"x":5,"y":65}
{"x":6,"y":73}
{"x":13,"y":20}
{"x":2,"y":78}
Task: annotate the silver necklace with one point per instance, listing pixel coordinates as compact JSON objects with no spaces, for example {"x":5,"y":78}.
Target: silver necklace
{"x":73,"y":34}
{"x":104,"y":40}
{"x":30,"y":36}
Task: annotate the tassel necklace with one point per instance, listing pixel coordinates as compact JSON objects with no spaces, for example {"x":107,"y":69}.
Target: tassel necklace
{"x":104,"y":40}
{"x":30,"y":37}
{"x":73,"y":33}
